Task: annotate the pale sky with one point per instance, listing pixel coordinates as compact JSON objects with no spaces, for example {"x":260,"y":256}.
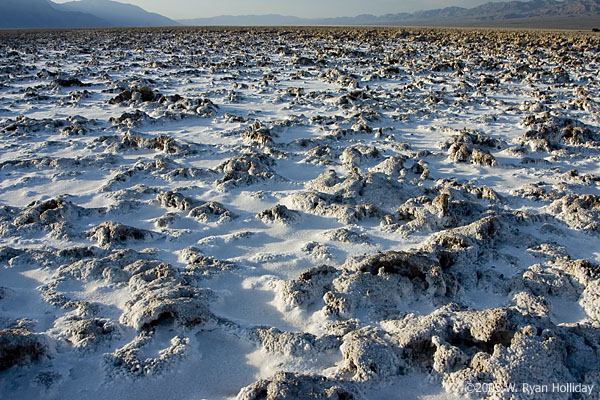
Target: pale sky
{"x":179,"y":9}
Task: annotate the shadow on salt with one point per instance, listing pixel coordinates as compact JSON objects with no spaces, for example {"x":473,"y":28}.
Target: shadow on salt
{"x":484,"y":299}
{"x":563,"y":311}
{"x":215,"y":367}
{"x":410,"y":387}
{"x":248,"y":302}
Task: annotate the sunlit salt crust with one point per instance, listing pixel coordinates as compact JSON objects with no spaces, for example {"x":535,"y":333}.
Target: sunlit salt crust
{"x":293,"y":212}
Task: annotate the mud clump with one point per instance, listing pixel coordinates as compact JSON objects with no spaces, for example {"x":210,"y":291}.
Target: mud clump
{"x":163,"y":143}
{"x":21,"y":347}
{"x":69,"y":82}
{"x":170,"y":199}
{"x":128,"y":361}
{"x":199,"y":265}
{"x":368,"y":356}
{"x":347,"y":236}
{"x":144,"y":94}
{"x":310,"y":286}
{"x":317,"y":250}
{"x":246,"y":170}
{"x":472,"y":147}
{"x":294,"y":344}
{"x":380,"y":282}
{"x":114,"y":234}
{"x":333,"y":206}
{"x":258,"y":134}
{"x":70,"y":126}
{"x":287,"y":385}
{"x":159,"y":294}
{"x":54,"y":216}
{"x":551,"y":133}
{"x":451,"y":207}
{"x":581,"y":212}
{"x":212,"y":211}
{"x":278,"y":214}
{"x":87,"y":334}
{"x":130,"y":119}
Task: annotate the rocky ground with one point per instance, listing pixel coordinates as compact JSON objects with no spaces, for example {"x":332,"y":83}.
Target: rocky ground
{"x":299,"y":213}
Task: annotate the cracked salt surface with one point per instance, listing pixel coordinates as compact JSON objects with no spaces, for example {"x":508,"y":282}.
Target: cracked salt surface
{"x":277,"y":213}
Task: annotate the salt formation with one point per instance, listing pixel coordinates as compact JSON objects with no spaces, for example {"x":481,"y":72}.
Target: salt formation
{"x":291,"y":213}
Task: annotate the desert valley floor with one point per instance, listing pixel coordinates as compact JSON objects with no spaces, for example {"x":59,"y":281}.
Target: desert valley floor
{"x":299,"y":213}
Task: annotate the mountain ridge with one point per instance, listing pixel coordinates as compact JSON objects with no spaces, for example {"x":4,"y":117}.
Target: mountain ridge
{"x":40,"y":14}
{"x":534,"y":13}
{"x":117,"y":13}
{"x":551,"y":14}
{"x":31,"y":14}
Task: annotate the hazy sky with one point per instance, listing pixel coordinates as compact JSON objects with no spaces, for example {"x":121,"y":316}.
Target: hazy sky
{"x":179,"y":9}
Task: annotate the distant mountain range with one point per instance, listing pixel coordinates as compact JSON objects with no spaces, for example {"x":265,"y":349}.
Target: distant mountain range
{"x":567,"y":14}
{"x":554,"y":14}
{"x":17,"y":14}
{"x":42,"y":14}
{"x":116,"y":14}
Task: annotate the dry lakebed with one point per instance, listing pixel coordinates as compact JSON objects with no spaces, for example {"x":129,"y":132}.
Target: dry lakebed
{"x":299,"y":213}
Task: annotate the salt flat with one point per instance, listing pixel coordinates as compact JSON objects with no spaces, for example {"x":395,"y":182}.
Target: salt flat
{"x":299,"y":213}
